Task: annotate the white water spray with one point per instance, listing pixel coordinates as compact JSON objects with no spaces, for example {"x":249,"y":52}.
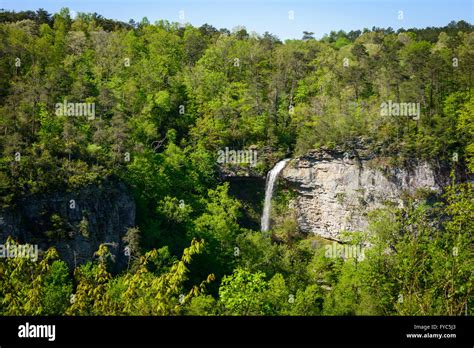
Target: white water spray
{"x":271,"y":179}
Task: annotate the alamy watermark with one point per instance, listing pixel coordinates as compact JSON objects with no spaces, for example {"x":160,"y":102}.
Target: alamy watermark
{"x":75,"y":109}
{"x":400,"y":109}
{"x":345,"y":251}
{"x":27,"y":251}
{"x":37,"y":331}
{"x":237,"y":157}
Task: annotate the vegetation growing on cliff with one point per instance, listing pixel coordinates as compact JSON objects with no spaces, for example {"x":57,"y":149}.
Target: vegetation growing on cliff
{"x":167,"y":98}
{"x":420,"y":263}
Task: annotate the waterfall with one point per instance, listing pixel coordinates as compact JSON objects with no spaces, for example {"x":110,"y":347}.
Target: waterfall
{"x":271,"y":178}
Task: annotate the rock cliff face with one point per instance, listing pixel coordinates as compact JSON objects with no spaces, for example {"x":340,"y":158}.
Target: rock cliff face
{"x":336,"y":190}
{"x":76,"y":223}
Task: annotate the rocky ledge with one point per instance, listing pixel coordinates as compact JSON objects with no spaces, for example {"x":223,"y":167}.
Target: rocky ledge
{"x":76,"y":223}
{"x":337,"y":189}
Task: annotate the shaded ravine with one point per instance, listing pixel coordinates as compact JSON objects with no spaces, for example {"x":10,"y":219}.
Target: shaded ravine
{"x":269,"y":187}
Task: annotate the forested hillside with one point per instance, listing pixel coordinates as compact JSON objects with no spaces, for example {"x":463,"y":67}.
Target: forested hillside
{"x":163,"y":99}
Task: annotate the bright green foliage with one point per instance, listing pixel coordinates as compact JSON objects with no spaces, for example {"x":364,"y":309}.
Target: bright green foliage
{"x":241,"y":292}
{"x":146,"y":291}
{"x":44,"y":287}
{"x":57,"y":289}
{"x":92,"y":280}
{"x":419,"y":263}
{"x":219,"y":228}
{"x":203,"y":305}
{"x":167,"y":98}
{"x":33,"y":287}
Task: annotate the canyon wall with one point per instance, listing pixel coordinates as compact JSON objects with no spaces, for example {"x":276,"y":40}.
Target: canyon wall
{"x":76,"y":223}
{"x":337,"y":189}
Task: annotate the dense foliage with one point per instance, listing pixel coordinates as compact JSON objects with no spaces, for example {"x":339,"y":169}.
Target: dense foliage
{"x":168,"y":98}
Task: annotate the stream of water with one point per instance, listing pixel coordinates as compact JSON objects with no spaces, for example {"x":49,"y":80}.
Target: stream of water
{"x":269,"y":187}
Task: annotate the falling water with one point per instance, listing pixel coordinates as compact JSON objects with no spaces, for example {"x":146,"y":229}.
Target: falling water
{"x":271,"y":178}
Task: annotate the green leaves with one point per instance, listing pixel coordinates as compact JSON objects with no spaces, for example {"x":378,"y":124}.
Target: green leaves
{"x":241,"y":292}
{"x":32,"y":287}
{"x":168,"y":98}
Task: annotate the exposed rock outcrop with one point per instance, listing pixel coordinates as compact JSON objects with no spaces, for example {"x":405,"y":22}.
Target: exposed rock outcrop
{"x":336,"y":190}
{"x":76,"y":223}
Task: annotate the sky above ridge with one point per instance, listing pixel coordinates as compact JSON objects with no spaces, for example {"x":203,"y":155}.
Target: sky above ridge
{"x":284,"y":18}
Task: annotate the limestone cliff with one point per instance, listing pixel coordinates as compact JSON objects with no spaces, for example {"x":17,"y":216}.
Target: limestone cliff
{"x":336,"y":190}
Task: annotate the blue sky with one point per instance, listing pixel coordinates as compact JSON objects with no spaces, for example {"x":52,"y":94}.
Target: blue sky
{"x":318,"y":16}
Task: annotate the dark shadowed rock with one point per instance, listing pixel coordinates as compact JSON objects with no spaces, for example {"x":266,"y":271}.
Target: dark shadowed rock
{"x":76,"y":223}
